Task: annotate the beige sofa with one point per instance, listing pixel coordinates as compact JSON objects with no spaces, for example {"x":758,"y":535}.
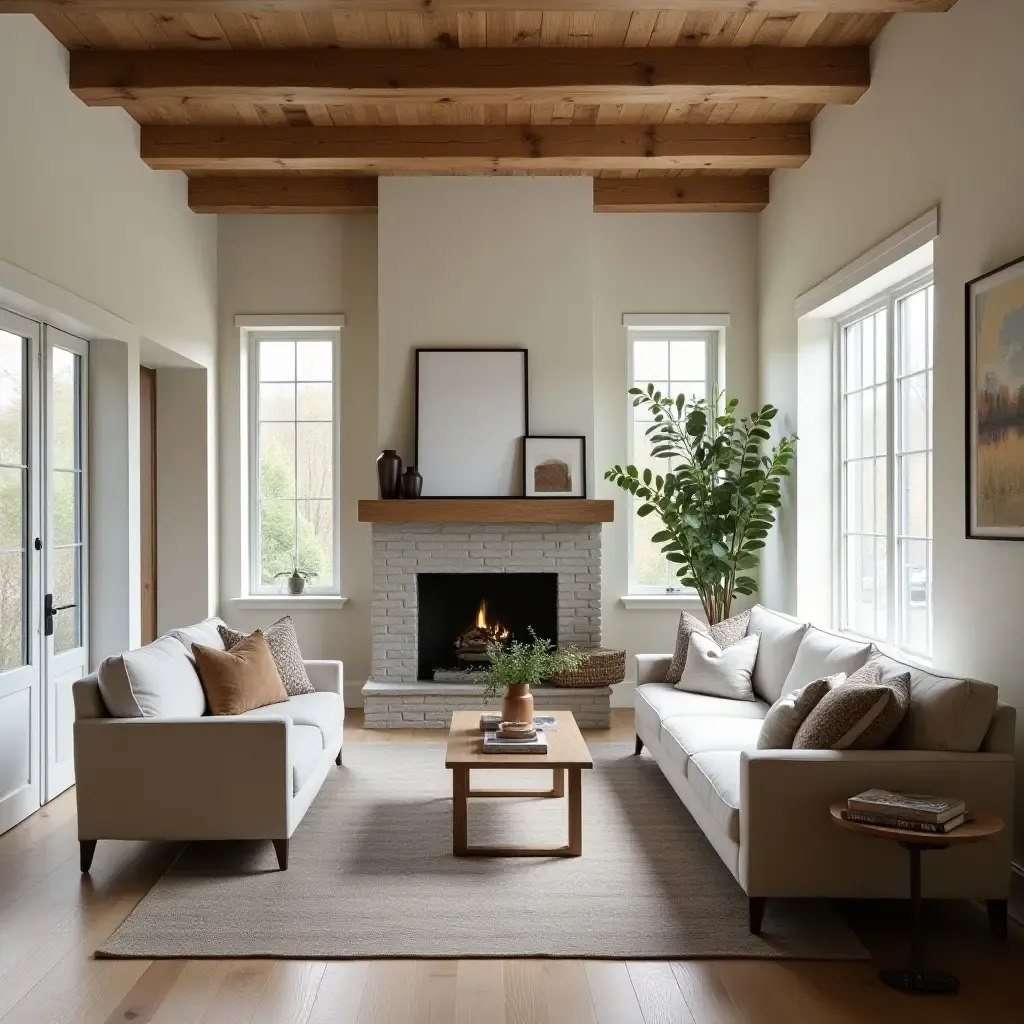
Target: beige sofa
{"x":766,"y":812}
{"x":172,"y":772}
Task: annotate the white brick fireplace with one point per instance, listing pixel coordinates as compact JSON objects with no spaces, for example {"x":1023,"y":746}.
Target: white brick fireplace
{"x":395,"y":696}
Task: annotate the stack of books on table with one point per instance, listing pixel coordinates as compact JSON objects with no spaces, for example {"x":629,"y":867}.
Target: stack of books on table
{"x":911,"y":812}
{"x":539,"y":721}
{"x":493,"y":744}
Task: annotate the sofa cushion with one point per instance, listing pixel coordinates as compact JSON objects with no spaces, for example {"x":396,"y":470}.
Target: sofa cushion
{"x":859,"y":713}
{"x":723,"y":633}
{"x":945,"y":713}
{"x":240,"y":679}
{"x":719,"y":671}
{"x":780,"y":639}
{"x":788,"y":713}
{"x":155,"y":681}
{"x":205,"y":633}
{"x":284,"y":646}
{"x":324,"y":711}
{"x":655,"y":702}
{"x":823,"y":654}
{"x":684,"y":737}
{"x":715,"y":778}
{"x":305,"y":750}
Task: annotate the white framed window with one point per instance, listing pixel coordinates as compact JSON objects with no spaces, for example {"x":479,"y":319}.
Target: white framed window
{"x":294,"y":445}
{"x":678,"y":355}
{"x":884,"y":440}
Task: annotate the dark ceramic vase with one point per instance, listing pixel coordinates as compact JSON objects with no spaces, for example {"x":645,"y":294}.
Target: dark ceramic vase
{"x":412,"y":483}
{"x":389,"y":471}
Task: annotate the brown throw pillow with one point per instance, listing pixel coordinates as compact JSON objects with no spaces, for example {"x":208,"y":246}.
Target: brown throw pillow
{"x":284,"y":646}
{"x":859,"y":714}
{"x":241,"y":679}
{"x":789,"y":712}
{"x":724,"y":633}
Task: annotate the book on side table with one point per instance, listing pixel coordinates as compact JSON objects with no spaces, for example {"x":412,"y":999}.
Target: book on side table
{"x":493,"y":744}
{"x":911,"y":812}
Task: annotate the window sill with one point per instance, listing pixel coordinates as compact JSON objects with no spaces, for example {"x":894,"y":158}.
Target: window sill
{"x":660,"y":602}
{"x":300,"y":603}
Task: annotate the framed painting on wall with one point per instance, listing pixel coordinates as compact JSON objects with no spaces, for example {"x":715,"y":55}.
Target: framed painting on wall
{"x":995,"y":404}
{"x":555,"y":467}
{"x":472,"y":411}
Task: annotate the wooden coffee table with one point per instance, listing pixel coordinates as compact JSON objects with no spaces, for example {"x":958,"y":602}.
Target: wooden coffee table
{"x":567,"y":752}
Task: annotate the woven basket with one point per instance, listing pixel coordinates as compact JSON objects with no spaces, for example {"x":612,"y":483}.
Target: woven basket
{"x":602,"y":667}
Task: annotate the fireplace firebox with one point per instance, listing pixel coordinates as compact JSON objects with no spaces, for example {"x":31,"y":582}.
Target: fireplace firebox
{"x":460,"y":612}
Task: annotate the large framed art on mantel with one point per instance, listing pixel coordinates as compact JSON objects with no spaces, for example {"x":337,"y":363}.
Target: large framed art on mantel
{"x":995,"y":404}
{"x":472,"y":412}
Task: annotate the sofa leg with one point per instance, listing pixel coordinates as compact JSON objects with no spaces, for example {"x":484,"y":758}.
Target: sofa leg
{"x":755,"y":909}
{"x":281,"y":848}
{"x":87,"y":847}
{"x":997,"y":917}
{"x":638,"y":746}
{"x":337,"y":760}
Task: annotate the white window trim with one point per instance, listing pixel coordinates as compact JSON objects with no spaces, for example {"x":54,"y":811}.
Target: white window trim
{"x":649,"y":326}
{"x":888,"y":300}
{"x":274,"y":327}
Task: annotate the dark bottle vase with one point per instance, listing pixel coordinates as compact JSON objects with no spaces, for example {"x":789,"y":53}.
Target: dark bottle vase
{"x":389,"y":471}
{"x":412,"y":483}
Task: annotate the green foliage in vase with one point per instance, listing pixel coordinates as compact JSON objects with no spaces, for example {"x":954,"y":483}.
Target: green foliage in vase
{"x":514,"y":662}
{"x":718,"y":496}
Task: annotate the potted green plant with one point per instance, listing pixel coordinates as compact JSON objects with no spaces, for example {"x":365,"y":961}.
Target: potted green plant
{"x":719,"y":492}
{"x":514,"y":666}
{"x":297,"y":579}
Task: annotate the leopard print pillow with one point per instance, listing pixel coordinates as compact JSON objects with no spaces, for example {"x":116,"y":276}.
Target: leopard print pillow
{"x":284,"y":646}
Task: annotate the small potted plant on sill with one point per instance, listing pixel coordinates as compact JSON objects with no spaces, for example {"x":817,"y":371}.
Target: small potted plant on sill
{"x":297,"y":579}
{"x":514,"y":666}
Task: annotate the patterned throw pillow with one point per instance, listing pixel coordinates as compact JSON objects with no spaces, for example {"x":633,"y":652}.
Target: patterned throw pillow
{"x":788,"y":713}
{"x":859,"y":714}
{"x":284,"y":646}
{"x":724,"y":633}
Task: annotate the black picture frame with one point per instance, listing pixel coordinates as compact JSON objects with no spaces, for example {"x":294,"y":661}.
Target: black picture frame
{"x":516,"y":475}
{"x":974,"y":430}
{"x":581,"y":440}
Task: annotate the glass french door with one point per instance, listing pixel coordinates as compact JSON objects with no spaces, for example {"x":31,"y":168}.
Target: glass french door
{"x":43,"y":625}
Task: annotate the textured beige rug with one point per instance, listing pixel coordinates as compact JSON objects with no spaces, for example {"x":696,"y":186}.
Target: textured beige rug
{"x":372,"y":875}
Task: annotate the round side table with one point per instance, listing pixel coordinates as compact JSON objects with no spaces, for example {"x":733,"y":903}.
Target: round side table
{"x":915,"y":978}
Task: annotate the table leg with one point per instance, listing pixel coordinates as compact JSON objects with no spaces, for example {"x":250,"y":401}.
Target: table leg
{"x":914,"y":978}
{"x":558,"y":782}
{"x":460,"y":821}
{"x":575,"y":812}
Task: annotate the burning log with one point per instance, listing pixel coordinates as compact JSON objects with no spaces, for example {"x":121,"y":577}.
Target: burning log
{"x":471,"y":645}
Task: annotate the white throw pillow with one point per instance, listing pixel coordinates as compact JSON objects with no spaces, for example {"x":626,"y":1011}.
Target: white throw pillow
{"x":717,"y":671}
{"x":206,"y":633}
{"x":155,"y":681}
{"x":822,"y":654}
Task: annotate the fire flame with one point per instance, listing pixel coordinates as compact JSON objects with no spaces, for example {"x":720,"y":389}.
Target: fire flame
{"x":498,"y":631}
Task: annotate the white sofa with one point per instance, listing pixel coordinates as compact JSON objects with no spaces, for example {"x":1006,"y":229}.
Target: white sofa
{"x":195,"y":776}
{"x":766,"y":812}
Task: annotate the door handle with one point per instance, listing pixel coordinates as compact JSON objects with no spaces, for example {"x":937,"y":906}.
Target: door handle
{"x":48,"y":612}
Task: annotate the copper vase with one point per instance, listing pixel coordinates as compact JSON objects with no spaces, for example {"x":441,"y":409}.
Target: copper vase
{"x":518,"y":704}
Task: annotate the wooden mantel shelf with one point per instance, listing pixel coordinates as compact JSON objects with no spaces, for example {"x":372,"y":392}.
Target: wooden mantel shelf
{"x":488,"y":510}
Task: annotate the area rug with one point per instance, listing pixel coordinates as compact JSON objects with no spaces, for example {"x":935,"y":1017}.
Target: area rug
{"x":371,"y":874}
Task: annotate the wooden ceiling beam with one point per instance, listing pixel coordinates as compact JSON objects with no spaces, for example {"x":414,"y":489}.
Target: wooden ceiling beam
{"x":409,"y":149}
{"x":292,"y":193}
{"x":711,"y":194}
{"x":690,"y":74}
{"x":439,"y":6}
{"x":282,"y":193}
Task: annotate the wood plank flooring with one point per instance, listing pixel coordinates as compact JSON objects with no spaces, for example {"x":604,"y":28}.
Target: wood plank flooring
{"x":51,"y":919}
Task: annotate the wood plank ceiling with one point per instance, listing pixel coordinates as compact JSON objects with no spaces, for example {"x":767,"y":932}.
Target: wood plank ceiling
{"x":274,"y":105}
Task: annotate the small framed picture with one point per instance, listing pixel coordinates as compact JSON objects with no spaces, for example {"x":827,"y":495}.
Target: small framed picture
{"x":555,"y":467}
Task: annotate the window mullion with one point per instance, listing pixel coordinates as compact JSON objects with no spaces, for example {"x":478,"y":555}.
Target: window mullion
{"x":892,"y":463}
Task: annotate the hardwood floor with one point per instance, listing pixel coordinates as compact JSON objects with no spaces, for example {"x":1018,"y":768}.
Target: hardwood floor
{"x":51,"y":919}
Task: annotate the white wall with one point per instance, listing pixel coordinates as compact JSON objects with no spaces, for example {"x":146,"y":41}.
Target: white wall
{"x":93,"y":241}
{"x":305,"y":264}
{"x":661,"y":263}
{"x":504,"y":261}
{"x":940,"y":126}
